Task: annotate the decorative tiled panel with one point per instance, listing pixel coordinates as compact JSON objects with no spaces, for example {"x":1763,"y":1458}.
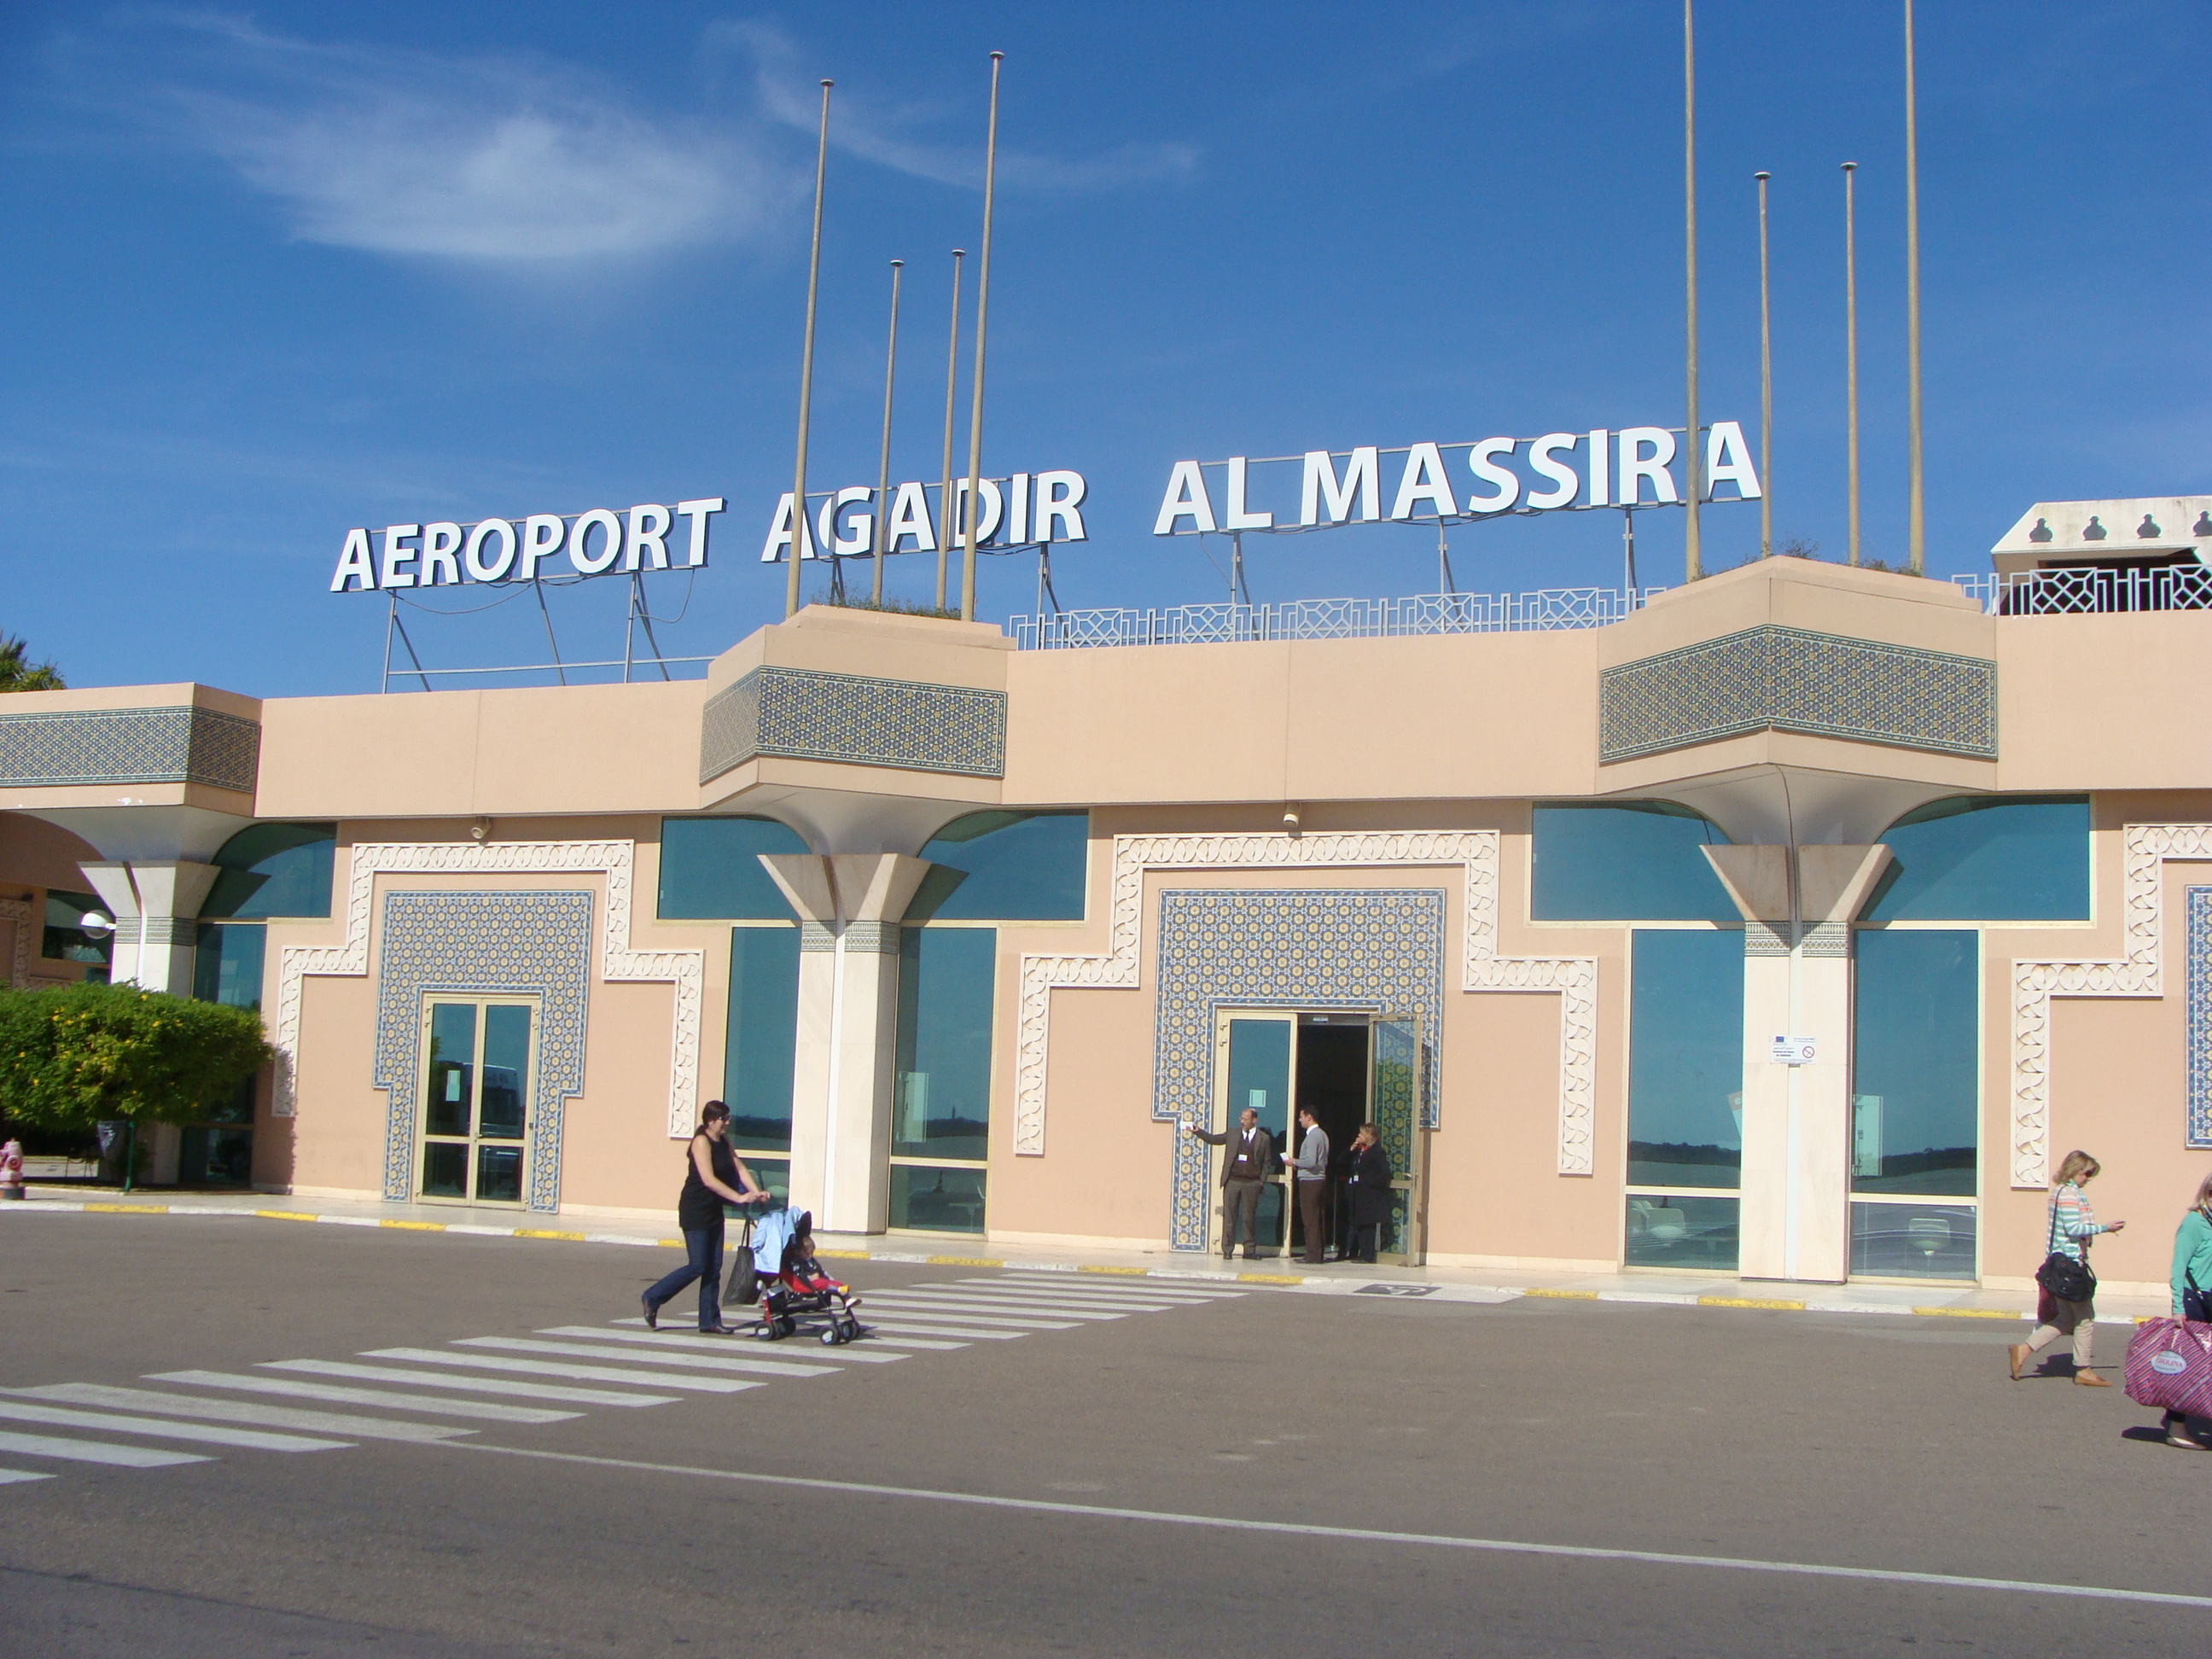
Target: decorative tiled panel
{"x":1787,"y":679}
{"x":484,"y":943}
{"x":803,"y":714}
{"x":1303,"y":948}
{"x":184,"y":745}
{"x":2199,"y":925}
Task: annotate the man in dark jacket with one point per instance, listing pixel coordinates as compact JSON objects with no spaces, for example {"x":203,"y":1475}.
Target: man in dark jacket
{"x":1242,"y":1174}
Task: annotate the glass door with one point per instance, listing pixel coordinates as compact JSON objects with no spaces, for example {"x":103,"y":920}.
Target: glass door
{"x":1255,"y":1057}
{"x":476,"y":1098}
{"x":1394,"y":1087}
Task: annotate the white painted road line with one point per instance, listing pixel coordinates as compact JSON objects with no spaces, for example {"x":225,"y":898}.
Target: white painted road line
{"x":2015,"y":1587}
{"x":1072,"y":1305}
{"x":938,"y":1328}
{"x":1113,"y":1283}
{"x":386,"y":1398}
{"x":11,"y":1477}
{"x":718,"y":1344}
{"x":485,"y":1362}
{"x":242,"y":1411}
{"x":916,"y":1307}
{"x":872,"y":1328}
{"x":252,"y":1439}
{"x":94,"y":1451}
{"x":515,"y":1390}
{"x":725,"y":1361}
{"x":985,"y":1302}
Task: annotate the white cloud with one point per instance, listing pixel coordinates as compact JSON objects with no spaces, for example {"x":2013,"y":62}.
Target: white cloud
{"x":489,"y":159}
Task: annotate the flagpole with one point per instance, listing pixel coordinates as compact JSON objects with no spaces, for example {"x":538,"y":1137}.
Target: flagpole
{"x":1692,"y":548}
{"x":1916,"y":547}
{"x":806,"y":367}
{"x":884,"y":465}
{"x":1766,"y":389}
{"x":972,"y":505}
{"x":951,"y":383}
{"x":1851,"y":354}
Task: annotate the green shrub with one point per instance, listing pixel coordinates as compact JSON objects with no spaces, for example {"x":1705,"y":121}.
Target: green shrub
{"x":71,"y":1056}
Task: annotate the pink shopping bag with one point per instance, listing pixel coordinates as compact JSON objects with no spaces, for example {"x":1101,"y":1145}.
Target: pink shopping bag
{"x":2170,"y":1366}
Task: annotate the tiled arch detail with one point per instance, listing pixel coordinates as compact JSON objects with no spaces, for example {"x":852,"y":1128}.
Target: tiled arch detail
{"x":1573,"y":979}
{"x":614,"y":859}
{"x":2140,"y":973}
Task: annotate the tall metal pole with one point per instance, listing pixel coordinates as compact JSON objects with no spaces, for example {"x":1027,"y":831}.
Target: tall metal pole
{"x":806,"y":367}
{"x":973,"y":505}
{"x":1766,"y":389}
{"x":951,"y":382}
{"x":1852,"y":352}
{"x":1916,"y":550}
{"x":884,"y":465}
{"x":1692,"y":548}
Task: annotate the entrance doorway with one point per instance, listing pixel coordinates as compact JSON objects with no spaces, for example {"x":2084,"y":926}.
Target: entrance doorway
{"x":1346,"y":1067}
{"x":478,"y":1059}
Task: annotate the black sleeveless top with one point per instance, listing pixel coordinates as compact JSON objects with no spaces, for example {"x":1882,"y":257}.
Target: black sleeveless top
{"x":701,"y":1206}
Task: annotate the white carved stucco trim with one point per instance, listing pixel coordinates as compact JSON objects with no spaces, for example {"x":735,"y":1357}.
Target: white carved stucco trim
{"x":19,"y":965}
{"x":2145,"y":848}
{"x":1481,"y":968}
{"x":614,"y":859}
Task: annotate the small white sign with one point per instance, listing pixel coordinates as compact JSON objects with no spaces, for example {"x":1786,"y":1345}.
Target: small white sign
{"x":1793,"y":1051}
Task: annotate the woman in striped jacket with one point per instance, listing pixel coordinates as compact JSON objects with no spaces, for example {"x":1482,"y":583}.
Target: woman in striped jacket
{"x":2073,"y":1224}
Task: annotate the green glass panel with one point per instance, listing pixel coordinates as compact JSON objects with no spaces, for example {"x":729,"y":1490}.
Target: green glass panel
{"x":1636,"y":861}
{"x":1260,"y":1075}
{"x":762,"y":1034}
{"x":942,"y":1106}
{"x":1006,"y":867}
{"x":1913,"y":1241}
{"x":445,"y":1169}
{"x":1698,"y":1234}
{"x":228,"y":964}
{"x":1916,"y":1101}
{"x":63,"y":939}
{"x":2022,"y":858}
{"x":506,"y":1072}
{"x":772,"y":1175}
{"x":274,"y":870}
{"x":710,"y":869}
{"x":1686,"y":1057}
{"x":213,"y":1156}
{"x":1396,"y":1057}
{"x":452,"y":1068}
{"x":937,"y":1200}
{"x":499,"y":1175}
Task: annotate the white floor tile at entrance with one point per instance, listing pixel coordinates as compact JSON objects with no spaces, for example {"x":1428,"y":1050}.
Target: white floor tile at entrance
{"x":514,"y":1387}
{"x":240,"y":1411}
{"x":391,"y":1400}
{"x":486,"y":1362}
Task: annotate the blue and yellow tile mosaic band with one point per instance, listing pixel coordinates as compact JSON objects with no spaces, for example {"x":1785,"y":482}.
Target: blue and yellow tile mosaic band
{"x":2197,"y":933}
{"x":181,"y":744}
{"x":484,"y":943}
{"x":1789,"y":679}
{"x":804,"y":714}
{"x":1380,"y":948}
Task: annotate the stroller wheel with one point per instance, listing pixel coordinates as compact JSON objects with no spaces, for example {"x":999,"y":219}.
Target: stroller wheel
{"x":831,"y":1336}
{"x":765,"y":1331}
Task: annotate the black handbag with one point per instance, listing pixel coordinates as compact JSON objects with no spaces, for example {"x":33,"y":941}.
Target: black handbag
{"x":2067,"y":1279}
{"x":2196,"y":1302}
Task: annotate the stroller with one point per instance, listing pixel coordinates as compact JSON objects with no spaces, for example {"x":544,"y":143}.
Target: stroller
{"x":775,"y":1269}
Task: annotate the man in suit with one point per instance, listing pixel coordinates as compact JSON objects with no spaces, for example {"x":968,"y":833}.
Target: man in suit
{"x":1252,"y":1154}
{"x":1309,"y":1174}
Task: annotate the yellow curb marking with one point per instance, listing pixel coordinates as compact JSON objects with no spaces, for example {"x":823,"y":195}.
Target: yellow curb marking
{"x":1576,"y":1295}
{"x":961,"y":1262}
{"x":671,"y":1244}
{"x":540,"y":1233}
{"x":285,"y":1215}
{"x":1750,"y":1302}
{"x":1138,"y":1272}
{"x":1271,"y":1278}
{"x":1967,"y":1313}
{"x":129,"y":1209}
{"x":415,"y":1226}
{"x":841,"y":1255}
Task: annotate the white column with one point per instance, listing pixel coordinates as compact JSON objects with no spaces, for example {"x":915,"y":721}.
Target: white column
{"x":1757,"y":880}
{"x":156,"y":906}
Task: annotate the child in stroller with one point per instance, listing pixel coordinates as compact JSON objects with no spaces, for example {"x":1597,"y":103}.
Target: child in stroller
{"x":786,"y":1281}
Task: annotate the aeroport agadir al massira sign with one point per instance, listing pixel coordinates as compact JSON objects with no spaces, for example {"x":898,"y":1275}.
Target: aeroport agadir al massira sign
{"x":1622,"y":468}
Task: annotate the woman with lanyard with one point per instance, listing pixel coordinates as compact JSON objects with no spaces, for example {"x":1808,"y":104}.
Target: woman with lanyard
{"x":2068,"y":1283}
{"x":713,"y":1176}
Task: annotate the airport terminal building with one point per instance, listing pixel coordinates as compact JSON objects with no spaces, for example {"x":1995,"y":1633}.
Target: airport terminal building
{"x":1792,"y":924}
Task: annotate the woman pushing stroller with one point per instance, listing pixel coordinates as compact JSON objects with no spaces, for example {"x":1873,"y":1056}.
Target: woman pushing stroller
{"x":713,"y":1175}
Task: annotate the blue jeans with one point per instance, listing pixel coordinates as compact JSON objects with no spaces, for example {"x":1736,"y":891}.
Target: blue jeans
{"x":704,"y":1247}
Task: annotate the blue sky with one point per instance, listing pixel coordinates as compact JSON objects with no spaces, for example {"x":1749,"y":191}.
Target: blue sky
{"x":280,"y":272}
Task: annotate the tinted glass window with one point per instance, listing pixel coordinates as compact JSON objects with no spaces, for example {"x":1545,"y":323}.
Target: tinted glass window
{"x":942,"y":1108}
{"x":1686,"y":1058}
{"x":275,"y":869}
{"x":1006,"y":867}
{"x":63,"y":938}
{"x":2024,"y":857}
{"x":1635,"y":862}
{"x":1915,"y":1101}
{"x":763,"y":1027}
{"x":227,"y":965}
{"x":710,"y":870}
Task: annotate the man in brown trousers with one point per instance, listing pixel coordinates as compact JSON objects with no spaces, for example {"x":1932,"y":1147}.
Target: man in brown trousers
{"x":1242,"y":1173}
{"x":1309,"y":1174}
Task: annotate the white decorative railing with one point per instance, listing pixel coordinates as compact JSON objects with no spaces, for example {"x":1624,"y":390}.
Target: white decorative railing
{"x":2087,"y":591}
{"x":1331,"y":619}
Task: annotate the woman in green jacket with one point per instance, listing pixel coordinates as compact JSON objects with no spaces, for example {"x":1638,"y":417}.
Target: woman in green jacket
{"x":2192,"y":1289}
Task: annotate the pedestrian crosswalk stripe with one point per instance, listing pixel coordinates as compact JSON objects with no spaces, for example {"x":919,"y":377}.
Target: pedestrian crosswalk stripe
{"x":898,"y":1324}
{"x":11,"y":1477}
{"x":241,"y":1410}
{"x":515,"y":1389}
{"x":719,"y":1344}
{"x":1022,"y":1296}
{"x":1148,"y":1288}
{"x":386,"y":1398}
{"x":94,"y":1451}
{"x":873,"y":1329}
{"x":966,"y":1313}
{"x":254,"y":1439}
{"x":724,"y":1361}
{"x":486,"y":1362}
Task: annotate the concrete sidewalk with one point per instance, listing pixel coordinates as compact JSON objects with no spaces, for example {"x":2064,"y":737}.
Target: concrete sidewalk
{"x":1644,"y":1286}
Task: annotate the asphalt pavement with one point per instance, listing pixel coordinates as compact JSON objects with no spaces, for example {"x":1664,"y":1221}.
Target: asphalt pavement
{"x":235,"y":1439}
